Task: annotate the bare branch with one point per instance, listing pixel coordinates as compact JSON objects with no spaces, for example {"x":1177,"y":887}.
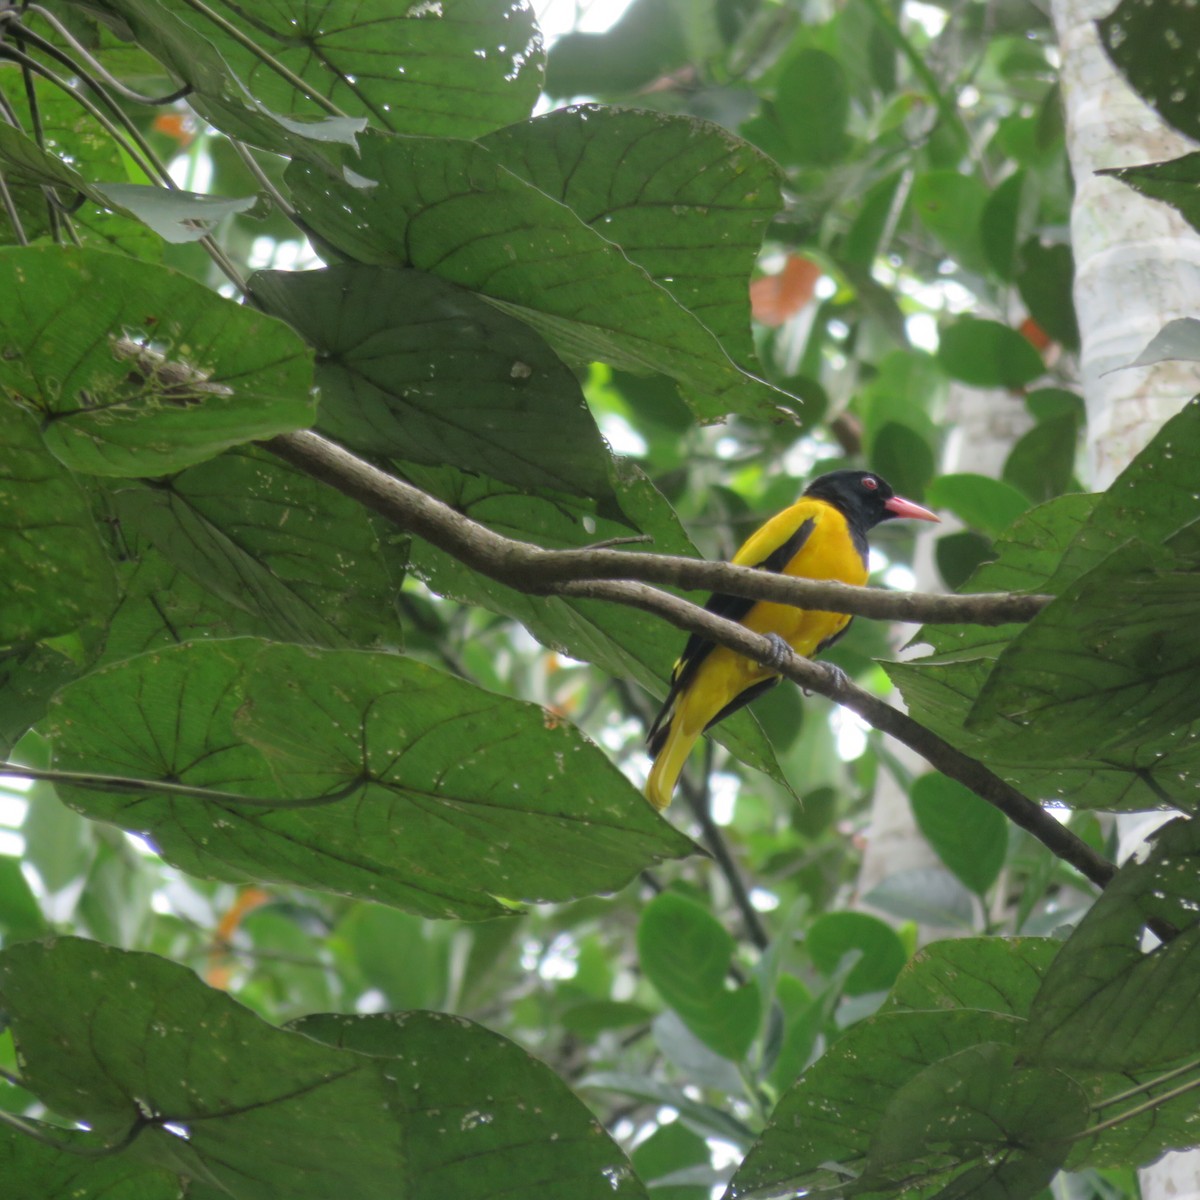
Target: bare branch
{"x":534,"y":570}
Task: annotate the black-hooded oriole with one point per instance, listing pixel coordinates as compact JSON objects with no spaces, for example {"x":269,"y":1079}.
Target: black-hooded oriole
{"x":822,"y":536}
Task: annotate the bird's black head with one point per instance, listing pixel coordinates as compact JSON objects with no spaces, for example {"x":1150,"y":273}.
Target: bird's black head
{"x":864,"y":499}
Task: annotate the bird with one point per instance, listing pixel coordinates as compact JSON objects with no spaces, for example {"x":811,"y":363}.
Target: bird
{"x":823,"y":535}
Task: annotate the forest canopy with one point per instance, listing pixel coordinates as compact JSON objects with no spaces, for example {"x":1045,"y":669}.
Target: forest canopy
{"x":382,"y":390}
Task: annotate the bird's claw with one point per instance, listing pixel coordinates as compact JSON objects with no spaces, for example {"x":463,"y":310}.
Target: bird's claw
{"x":839,"y":678}
{"x":780,"y":651}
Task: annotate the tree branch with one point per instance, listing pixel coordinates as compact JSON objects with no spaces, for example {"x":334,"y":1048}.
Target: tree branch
{"x":617,"y":577}
{"x":534,"y":570}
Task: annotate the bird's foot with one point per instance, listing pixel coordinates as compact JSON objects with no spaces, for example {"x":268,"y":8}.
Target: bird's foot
{"x":780,"y":651}
{"x":839,"y":678}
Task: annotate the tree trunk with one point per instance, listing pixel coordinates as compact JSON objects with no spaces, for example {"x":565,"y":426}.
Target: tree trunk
{"x":1137,"y":267}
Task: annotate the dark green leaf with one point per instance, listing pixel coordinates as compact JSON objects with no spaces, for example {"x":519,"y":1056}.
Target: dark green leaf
{"x":1042,"y":463}
{"x":1156,"y":43}
{"x":904,"y":458}
{"x":999,"y":223}
{"x":55,"y":574}
{"x":620,"y":640}
{"x":1045,"y":279}
{"x":272,"y":1111}
{"x":1173,"y":182}
{"x":988,"y":354}
{"x":460,"y":211}
{"x":685,"y":952}
{"x":1108,"y":1004}
{"x":669,"y":1150}
{"x":365,"y":774}
{"x":414,"y":368}
{"x":20,"y":914}
{"x":960,"y":555}
{"x":812,"y":105}
{"x":834,"y":935}
{"x":975,"y":1125}
{"x":1107,"y":671}
{"x":50,"y":1173}
{"x":969,"y":835}
{"x":137,"y":370}
{"x":951,"y":206}
{"x":820,"y":1131}
{"x":303,"y":562}
{"x":481,"y":1116}
{"x":983,"y":503}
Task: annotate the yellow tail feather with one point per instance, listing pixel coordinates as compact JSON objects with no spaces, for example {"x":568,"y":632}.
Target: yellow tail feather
{"x":668,"y":763}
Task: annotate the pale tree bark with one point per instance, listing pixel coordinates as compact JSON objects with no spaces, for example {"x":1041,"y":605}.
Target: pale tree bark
{"x":1137,"y":267}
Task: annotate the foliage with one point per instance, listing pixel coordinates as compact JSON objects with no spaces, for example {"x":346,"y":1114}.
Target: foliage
{"x":281,"y":744}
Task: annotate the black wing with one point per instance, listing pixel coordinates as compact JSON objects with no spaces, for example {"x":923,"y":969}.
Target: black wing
{"x":698,"y":648}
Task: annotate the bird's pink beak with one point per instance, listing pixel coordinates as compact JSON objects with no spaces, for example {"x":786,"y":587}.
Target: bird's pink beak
{"x":899,"y":507}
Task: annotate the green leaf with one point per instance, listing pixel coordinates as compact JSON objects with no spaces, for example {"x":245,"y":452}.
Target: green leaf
{"x":1042,"y":463}
{"x":977,"y":1125}
{"x":456,"y":70}
{"x":175,"y":215}
{"x":136,"y":370}
{"x":481,"y":1115}
{"x":812,"y":106}
{"x":1102,"y":673}
{"x":969,"y":835}
{"x":189,"y":53}
{"x":1045,"y":279}
{"x":983,"y":503}
{"x":1174,"y":182}
{"x":951,"y":206}
{"x":20,"y":915}
{"x":52,"y":1173}
{"x":988,"y":354}
{"x":416,"y":1103}
{"x":1000,"y":975}
{"x":368,"y":775}
{"x":666,"y":1152}
{"x":463,"y":213}
{"x":55,"y":574}
{"x":684,"y":199}
{"x":646,"y":42}
{"x":1108,"y":1004}
{"x":685,"y":952}
{"x":415,"y":368}
{"x":903,"y":457}
{"x":960,"y":555}
{"x":834,"y":935}
{"x":820,"y":1131}
{"x":1155,"y":45}
{"x":262,"y":539}
{"x":1153,"y":498}
{"x":999,"y":223}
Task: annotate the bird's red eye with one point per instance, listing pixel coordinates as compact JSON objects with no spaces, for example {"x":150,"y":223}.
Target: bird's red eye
{"x":870,"y":482}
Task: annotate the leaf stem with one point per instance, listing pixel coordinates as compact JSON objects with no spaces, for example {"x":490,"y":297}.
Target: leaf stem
{"x":249,"y":44}
{"x":97,"y":782}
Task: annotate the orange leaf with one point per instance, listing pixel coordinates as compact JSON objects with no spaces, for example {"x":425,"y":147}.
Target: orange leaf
{"x":776,"y":298}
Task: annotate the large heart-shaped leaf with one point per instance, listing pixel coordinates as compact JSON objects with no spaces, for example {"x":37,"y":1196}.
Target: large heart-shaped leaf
{"x":366,"y":774}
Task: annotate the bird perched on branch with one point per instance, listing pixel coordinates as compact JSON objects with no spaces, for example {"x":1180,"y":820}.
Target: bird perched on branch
{"x":822,"y":536}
